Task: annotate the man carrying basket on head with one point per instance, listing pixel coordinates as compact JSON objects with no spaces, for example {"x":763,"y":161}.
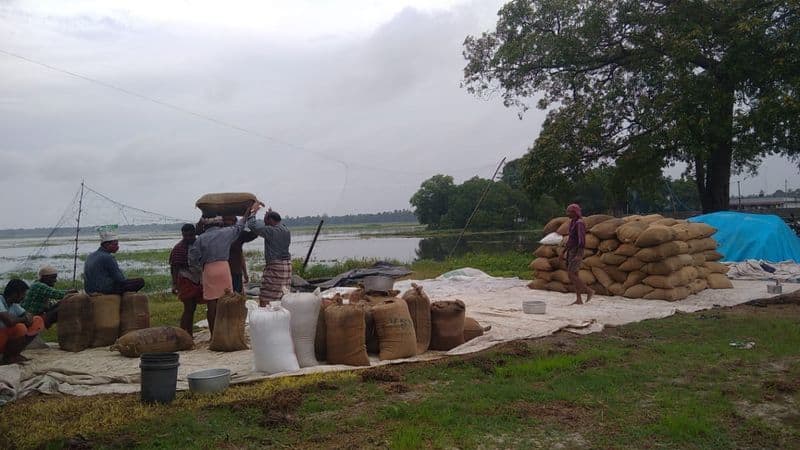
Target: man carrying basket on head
{"x":277,"y":238}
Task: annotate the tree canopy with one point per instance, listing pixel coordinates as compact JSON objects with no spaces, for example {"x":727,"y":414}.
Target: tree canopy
{"x":640,"y":84}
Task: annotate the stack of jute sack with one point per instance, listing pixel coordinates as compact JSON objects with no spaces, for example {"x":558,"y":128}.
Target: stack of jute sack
{"x":86,"y":321}
{"x":649,"y":257}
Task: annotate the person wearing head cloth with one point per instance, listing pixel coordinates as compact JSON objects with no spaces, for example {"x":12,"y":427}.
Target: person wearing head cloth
{"x":42,"y":298}
{"x":210,"y":253}
{"x":573,"y":253}
{"x":101,"y":272}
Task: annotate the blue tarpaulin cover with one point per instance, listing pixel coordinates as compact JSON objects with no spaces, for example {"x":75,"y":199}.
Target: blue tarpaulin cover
{"x":752,"y":236}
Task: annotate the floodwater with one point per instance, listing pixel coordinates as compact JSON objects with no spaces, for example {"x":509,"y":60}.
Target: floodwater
{"x":19,"y":255}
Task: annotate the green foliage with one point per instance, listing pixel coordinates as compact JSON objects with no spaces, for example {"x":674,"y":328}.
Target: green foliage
{"x":645,"y":83}
{"x":431,"y":201}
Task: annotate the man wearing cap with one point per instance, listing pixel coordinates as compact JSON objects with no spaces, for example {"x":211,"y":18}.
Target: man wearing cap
{"x":42,"y":298}
{"x":101,"y":272}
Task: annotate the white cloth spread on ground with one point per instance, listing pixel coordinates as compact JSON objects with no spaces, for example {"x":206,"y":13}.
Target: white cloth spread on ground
{"x":752,"y":270}
{"x":492,"y":301}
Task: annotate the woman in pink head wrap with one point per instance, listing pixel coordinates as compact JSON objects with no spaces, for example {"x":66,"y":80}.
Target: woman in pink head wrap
{"x":576,"y":242}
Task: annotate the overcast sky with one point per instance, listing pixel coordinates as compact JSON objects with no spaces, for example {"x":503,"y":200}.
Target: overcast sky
{"x":347,"y":105}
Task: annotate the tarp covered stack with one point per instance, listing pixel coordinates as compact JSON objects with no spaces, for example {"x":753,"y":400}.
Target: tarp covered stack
{"x":648,"y":257}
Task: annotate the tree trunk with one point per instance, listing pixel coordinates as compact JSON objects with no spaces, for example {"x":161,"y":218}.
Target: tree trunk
{"x":715,"y":189}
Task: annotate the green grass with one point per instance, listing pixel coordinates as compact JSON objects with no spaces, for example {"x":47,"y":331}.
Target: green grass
{"x":671,"y":383}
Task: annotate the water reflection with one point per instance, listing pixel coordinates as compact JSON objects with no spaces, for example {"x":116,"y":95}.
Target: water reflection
{"x":438,"y":248}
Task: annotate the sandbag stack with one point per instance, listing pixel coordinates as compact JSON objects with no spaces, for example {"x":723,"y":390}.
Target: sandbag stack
{"x":649,"y":257}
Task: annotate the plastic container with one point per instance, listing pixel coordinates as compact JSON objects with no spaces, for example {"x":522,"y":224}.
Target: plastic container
{"x":209,"y":381}
{"x":533,"y":307}
{"x":159,"y":377}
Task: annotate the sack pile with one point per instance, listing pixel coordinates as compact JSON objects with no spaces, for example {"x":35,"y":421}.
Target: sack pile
{"x":649,"y":257}
{"x":97,"y":320}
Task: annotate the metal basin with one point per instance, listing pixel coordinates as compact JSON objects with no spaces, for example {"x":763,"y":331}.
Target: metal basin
{"x":209,"y":381}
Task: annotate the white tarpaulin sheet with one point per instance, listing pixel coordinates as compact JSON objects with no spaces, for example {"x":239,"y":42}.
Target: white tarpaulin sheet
{"x":492,"y":301}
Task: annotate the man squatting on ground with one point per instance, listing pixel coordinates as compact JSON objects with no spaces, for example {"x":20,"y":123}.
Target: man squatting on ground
{"x":573,"y":253}
{"x":17,"y":327}
{"x":277,"y":238}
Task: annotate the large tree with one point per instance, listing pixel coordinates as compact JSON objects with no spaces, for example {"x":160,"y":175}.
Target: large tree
{"x":713,"y":83}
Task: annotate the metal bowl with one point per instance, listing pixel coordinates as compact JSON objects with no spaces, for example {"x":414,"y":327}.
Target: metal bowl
{"x":209,"y":381}
{"x":378,"y":283}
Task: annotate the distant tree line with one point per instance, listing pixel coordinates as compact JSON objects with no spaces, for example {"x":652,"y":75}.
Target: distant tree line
{"x":396,"y":216}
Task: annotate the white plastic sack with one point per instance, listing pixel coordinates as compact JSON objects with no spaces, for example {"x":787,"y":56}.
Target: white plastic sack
{"x":304,"y":310}
{"x":271,"y":339}
{"x":551,"y":239}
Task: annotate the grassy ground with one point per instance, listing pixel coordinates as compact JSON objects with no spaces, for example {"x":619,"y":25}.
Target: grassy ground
{"x":674,"y":383}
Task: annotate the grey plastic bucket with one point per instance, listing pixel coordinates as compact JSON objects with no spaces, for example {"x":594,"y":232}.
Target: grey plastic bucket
{"x":159,"y":377}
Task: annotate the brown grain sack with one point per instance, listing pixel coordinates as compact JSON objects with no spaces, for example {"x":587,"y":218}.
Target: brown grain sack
{"x":229,"y":323}
{"x":473,"y":329}
{"x":370,"y":332}
{"x":593,"y":261}
{"x":563,"y":229}
{"x":396,"y":333}
{"x":699,"y":230}
{"x":541,"y":264}
{"x":632,"y":218}
{"x":715,"y":267}
{"x":595,"y":219}
{"x":612,"y":259}
{"x":633,"y":279}
{"x":560,"y":275}
{"x":592,"y":241}
{"x":702,"y":272}
{"x":557,"y":263}
{"x":134,"y":312}
{"x":670,"y":295}
{"x":105,"y":313}
{"x":667,"y":222}
{"x":538,"y":284}
{"x":719,"y":281}
{"x":663,"y":251}
{"x":447,"y":324}
{"x":587,"y":252}
{"x":75,"y":323}
{"x":631,"y":264}
{"x":419,"y":306}
{"x":698,"y":285}
{"x":655,"y":235}
{"x":681,"y":231}
{"x":670,"y":281}
{"x":153,"y":340}
{"x":616,"y":274}
{"x":608,"y":245}
{"x":546,"y":251}
{"x":630,"y":231}
{"x":345,"y":325}
{"x":626,"y":250}
{"x":712,"y":255}
{"x":226,"y":204}
{"x":586,"y":276}
{"x":698,"y":259}
{"x":320,"y":344}
{"x":650,"y":218}
{"x":701,"y":245}
{"x":668,"y":265}
{"x":557,"y":286}
{"x":553,"y":224}
{"x":599,"y":289}
{"x":607,"y":229}
{"x":602,"y":277}
{"x":546,"y":276}
{"x":637,"y":291}
{"x":616,"y":289}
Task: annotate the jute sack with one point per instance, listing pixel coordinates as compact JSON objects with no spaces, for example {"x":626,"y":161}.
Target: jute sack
{"x":715,"y":267}
{"x":320,"y":336}
{"x":663,"y":251}
{"x":655,"y":235}
{"x":680,"y":278}
{"x":538,"y":284}
{"x":553,"y":224}
{"x":712,"y":255}
{"x":229,"y":323}
{"x":595,"y":219}
{"x":698,"y":285}
{"x":607,"y":229}
{"x":698,"y":259}
{"x":396,"y":334}
{"x":587,"y":252}
{"x":134,"y":312}
{"x":668,"y":265}
{"x":75,"y":323}
{"x":473,"y":329}
{"x":632,"y":218}
{"x":668,"y":222}
{"x":670,"y":295}
{"x":105,"y":310}
{"x":563,"y":229}
{"x":612,"y":259}
{"x":593,"y":261}
{"x":630,"y":231}
{"x":345,"y":326}
{"x":631,"y":264}
{"x":616,"y":289}
{"x":226,"y":204}
{"x":153,"y":340}
{"x":616,"y":274}
{"x":592,"y":242}
{"x":599,"y":289}
{"x":681,"y":231}
{"x":557,"y":286}
{"x":560,"y":275}
{"x":626,"y":250}
{"x":650,"y":218}
{"x":608,"y":245}
{"x":637,"y":291}
{"x":702,"y":272}
{"x":633,"y":279}
{"x":542,"y":275}
{"x":701,"y":245}
{"x":602,"y":277}
{"x":541,"y":264}
{"x":586,"y":276}
{"x":447,"y":324}
{"x":545,"y":251}
{"x":557,"y":263}
{"x":699,"y":230}
{"x":419,"y":307}
{"x":719,"y":281}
